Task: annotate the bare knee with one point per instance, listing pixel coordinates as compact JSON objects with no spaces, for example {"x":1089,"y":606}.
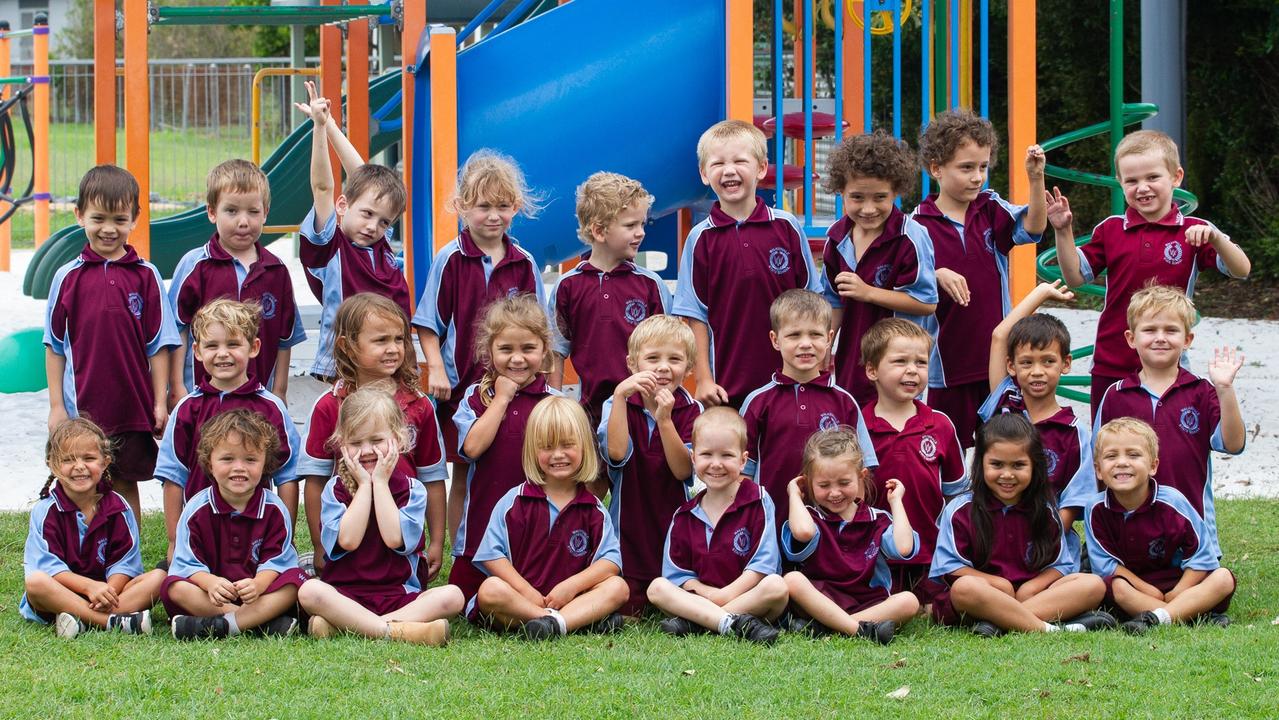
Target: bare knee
{"x":966,"y":591}
{"x":1223,"y":581}
{"x":1088,"y":586}
{"x":796,"y":581}
{"x":909,"y":602}
{"x":451,"y":598}
{"x":38,"y":583}
{"x":773,"y":588}
{"x":659,"y":589}
{"x":492,"y":591}
{"x":311,"y":594}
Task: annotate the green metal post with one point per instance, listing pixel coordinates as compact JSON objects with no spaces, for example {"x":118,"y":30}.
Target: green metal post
{"x":1116,"y":95}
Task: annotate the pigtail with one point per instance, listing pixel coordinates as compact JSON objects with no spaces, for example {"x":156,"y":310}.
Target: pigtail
{"x":486,"y":390}
{"x":44,"y":491}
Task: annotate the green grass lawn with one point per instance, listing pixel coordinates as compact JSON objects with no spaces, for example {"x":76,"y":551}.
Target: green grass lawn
{"x":1172,"y":672}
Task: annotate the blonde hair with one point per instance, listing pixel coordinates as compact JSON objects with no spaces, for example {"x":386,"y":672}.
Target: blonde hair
{"x":374,"y":403}
{"x":255,"y":431}
{"x":876,"y":339}
{"x":1154,"y":299}
{"x":555,"y":421}
{"x":1144,"y":141}
{"x":350,"y":319}
{"x":517,"y":311}
{"x":490,"y":176}
{"x":726,"y":131}
{"x":661,"y":329}
{"x":723,"y":417}
{"x":796,"y":304}
{"x":67,"y":432}
{"x":242,"y":318}
{"x":1129,"y":425}
{"x":603,"y":197}
{"x":236,"y":176}
{"x":834,"y":444}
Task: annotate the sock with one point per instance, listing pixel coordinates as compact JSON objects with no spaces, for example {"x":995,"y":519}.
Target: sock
{"x":1049,"y":627}
{"x":233,"y":628}
{"x":726,"y":623}
{"x":1164,"y":617}
{"x":559,"y":620}
{"x":1074,"y":627}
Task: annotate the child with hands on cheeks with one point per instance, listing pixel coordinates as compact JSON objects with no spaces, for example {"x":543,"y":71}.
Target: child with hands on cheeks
{"x":841,"y":544}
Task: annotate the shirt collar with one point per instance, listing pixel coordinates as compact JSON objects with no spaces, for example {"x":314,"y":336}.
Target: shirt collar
{"x":130,"y":256}
{"x":1112,"y":502}
{"x":682,"y":399}
{"x":825,"y":379}
{"x":253,"y":509}
{"x":625,"y":267}
{"x":928,"y":208}
{"x":248,"y":388}
{"x":470,"y":249}
{"x":215,"y":251}
{"x":583,"y":496}
{"x":747,"y":492}
{"x":761,"y":214}
{"x":924,"y":419}
{"x":1133,"y":381}
{"x":994,"y":504}
{"x":537,"y":387}
{"x":863,"y":514}
{"x":109,"y":504}
{"x":1134,"y":219}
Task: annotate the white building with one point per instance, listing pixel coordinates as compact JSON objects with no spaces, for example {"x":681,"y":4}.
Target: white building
{"x":21,"y":13}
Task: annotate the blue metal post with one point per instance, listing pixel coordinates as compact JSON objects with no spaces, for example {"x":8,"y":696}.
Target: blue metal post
{"x":985,"y":58}
{"x":839,"y":92}
{"x":779,"y":86}
{"x":952,"y":28}
{"x":810,"y":57}
{"x":897,"y":69}
{"x":925,"y":74}
{"x":867,"y":86}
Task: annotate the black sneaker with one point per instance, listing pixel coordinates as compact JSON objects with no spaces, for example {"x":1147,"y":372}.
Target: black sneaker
{"x":306,"y":562}
{"x":138,"y":623}
{"x":163,"y":565}
{"x":191,"y":627}
{"x":282,"y":626}
{"x":881,"y":632}
{"x":613,"y":623}
{"x":749,"y":627}
{"x":679,"y":627}
{"x":1093,"y":620}
{"x":68,"y":626}
{"x":805,"y":626}
{"x":986,"y":629}
{"x":542,"y":628}
{"x":1221,"y":620}
{"x":1141,"y":623}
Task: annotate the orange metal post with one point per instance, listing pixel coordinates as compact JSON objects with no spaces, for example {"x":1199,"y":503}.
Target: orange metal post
{"x":331,"y":82}
{"x":854,"y":109}
{"x":443,"y":55}
{"x":1021,"y":128}
{"x":137,"y":116}
{"x":104,"y":81}
{"x":40,"y":169}
{"x":5,"y":69}
{"x":357,"y":85}
{"x":414,"y":25}
{"x":740,"y":47}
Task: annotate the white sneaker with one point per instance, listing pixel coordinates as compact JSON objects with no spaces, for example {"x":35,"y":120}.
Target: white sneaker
{"x":68,"y":625}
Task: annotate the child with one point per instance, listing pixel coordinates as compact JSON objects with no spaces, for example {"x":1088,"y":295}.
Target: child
{"x":550,"y":551}
{"x":373,"y":344}
{"x":647,"y":425}
{"x":514,"y":343}
{"x":1152,"y":242}
{"x":234,"y":568}
{"x":734,"y":264}
{"x":597,"y":305}
{"x":1001,"y":549}
{"x":225,"y":337}
{"x":973,"y":230}
{"x":345,"y":249}
{"x":720,"y":561}
{"x":82,"y":563}
{"x":233,"y":264}
{"x":1191,"y":415}
{"x":1145,"y":539}
{"x":801,"y":399}
{"x":107,"y":331}
{"x":915,"y":444}
{"x":373,"y":512}
{"x":842,"y":544}
{"x":482,"y":266}
{"x":878,"y":263}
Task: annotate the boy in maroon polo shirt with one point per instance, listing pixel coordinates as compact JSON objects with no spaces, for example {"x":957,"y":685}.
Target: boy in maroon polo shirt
{"x":973,"y":230}
{"x":596,"y":306}
{"x":1152,"y":242}
{"x":344,"y":243}
{"x":914,"y":443}
{"x":734,"y":264}
{"x":720,"y":561}
{"x":234,"y":567}
{"x":878,"y":263}
{"x":225,"y":343}
{"x":1145,"y":539}
{"x":801,"y":399}
{"x":643,"y":438}
{"x":108,"y":329}
{"x":1191,"y":415}
{"x":233,"y":264}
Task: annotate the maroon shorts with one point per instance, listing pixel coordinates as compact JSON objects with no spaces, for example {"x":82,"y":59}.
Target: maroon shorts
{"x":466,"y":576}
{"x":378,"y":601}
{"x":638,"y":599}
{"x":1165,"y":584}
{"x":960,"y":403}
{"x":294,"y":577}
{"x":448,"y":430}
{"x":135,"y":454}
{"x":914,"y":578}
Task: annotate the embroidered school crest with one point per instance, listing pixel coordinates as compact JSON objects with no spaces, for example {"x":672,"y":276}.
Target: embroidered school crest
{"x":741,"y":541}
{"x":989,"y":240}
{"x":635,"y":311}
{"x":135,"y":305}
{"x":269,"y":305}
{"x":255,"y":551}
{"x":391,"y":260}
{"x":928,"y":448}
{"x":1189,"y":420}
{"x":1173,"y":252}
{"x":1051,"y":458}
{"x":412,"y":439}
{"x":779,"y":260}
{"x":872,"y":550}
{"x":512,"y":292}
{"x":827,"y":421}
{"x":881,"y":275}
{"x":102,"y":551}
{"x":577,"y":543}
{"x":1156,"y":549}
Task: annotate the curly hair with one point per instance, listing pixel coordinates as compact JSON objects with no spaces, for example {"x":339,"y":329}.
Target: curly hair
{"x":490,"y":176}
{"x":254,"y":429}
{"x":603,"y":197}
{"x":877,"y":155}
{"x":67,"y":432}
{"x":942,"y":137}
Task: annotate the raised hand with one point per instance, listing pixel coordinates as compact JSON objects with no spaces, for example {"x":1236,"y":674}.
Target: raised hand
{"x":1224,"y":366}
{"x":1059,"y":214}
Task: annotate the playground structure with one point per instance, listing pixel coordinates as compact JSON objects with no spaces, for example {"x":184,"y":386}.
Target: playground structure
{"x":36,"y":123}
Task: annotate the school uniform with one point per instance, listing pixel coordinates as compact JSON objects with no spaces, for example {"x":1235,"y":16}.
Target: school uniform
{"x":846,"y":560}
{"x":491,"y":475}
{"x":1010,"y":547}
{"x":730,"y":273}
{"x":214,"y":537}
{"x":107,"y":318}
{"x":546,"y":545}
{"x":1157,"y":541}
{"x":978,"y":250}
{"x":900,"y":259}
{"x":462,"y":283}
{"x":1187,"y":421}
{"x":644,"y":492}
{"x":337,"y":268}
{"x":718,"y":553}
{"x":209,"y":272}
{"x":1134,"y":252}
{"x":926,"y":457}
{"x":60,"y":540}
{"x":179,"y":461}
{"x":594,"y":313}
{"x":781,"y":416}
{"x":380,"y":578}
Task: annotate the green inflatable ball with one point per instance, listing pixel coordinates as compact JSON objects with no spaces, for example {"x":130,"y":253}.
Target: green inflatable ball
{"x":22,"y":362}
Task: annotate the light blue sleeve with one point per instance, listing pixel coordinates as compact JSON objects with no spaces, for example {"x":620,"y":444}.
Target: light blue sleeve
{"x":869,"y":459}
{"x":924,"y":288}
{"x":323,"y":237}
{"x":663,"y":292}
{"x":180,"y":275}
{"x":496,"y":543}
{"x":672,"y":572}
{"x":687,"y":303}
{"x":562,"y":345}
{"x":828,"y":290}
{"x":464,"y":418}
{"x":167,"y":336}
{"x":946,"y":557}
{"x":56,"y":338}
{"x":428,"y":315}
{"x":36,"y":556}
{"x":1066,"y":561}
{"x":601,"y":435}
{"x":1205,"y":555}
{"x":297,"y":335}
{"x":991,"y":403}
{"x":185,"y":562}
{"x":412,"y":519}
{"x":1083,"y":484}
{"x":167,"y":465}
{"x":1018,"y":213}
{"x":287,"y":558}
{"x":288,"y":471}
{"x":609,"y":548}
{"x":1104,"y":563}
{"x":539,"y":288}
{"x":307,"y":465}
{"x":798,"y":555}
{"x":131,"y":564}
{"x":331,"y":513}
{"x":767,"y":558}
{"x":439,"y":471}
{"x":888,"y":546}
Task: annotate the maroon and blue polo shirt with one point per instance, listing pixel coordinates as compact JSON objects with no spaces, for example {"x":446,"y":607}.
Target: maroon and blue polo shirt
{"x":1011,"y":542}
{"x":179,"y":461}
{"x":337,"y":268}
{"x":108,"y":318}
{"x":926,"y":457}
{"x":847,"y":560}
{"x":717,"y":553}
{"x":730,"y":273}
{"x":1135,"y":252}
{"x":594,"y":313}
{"x":60,"y":540}
{"x":900,"y":259}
